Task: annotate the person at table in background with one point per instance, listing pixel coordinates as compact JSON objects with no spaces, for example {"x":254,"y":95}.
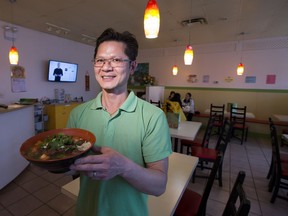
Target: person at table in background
{"x":58,"y":73}
{"x":177,"y":98}
{"x":174,"y":105}
{"x":188,"y":106}
{"x":130,"y":156}
{"x":171,"y":95}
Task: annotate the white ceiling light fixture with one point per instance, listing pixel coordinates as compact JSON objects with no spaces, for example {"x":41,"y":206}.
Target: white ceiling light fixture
{"x":58,"y":30}
{"x":88,"y":39}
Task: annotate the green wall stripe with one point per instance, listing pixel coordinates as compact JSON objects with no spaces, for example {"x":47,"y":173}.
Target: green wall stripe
{"x":217,"y":89}
{"x":228,"y":89}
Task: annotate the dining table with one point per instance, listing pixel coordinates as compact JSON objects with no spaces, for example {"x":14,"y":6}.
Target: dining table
{"x":283,"y":118}
{"x":180,"y":170}
{"x":186,"y":130}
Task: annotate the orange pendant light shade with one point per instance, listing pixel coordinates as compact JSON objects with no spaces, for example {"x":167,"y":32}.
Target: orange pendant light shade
{"x":188,"y":55}
{"x":240,"y":69}
{"x":151,"y":20}
{"x":175,"y":70}
{"x":13,"y":56}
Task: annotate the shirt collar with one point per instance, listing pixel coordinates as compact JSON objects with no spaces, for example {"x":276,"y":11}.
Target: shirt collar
{"x":128,"y":106}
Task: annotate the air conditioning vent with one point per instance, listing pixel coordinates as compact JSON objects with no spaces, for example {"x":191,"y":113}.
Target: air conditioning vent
{"x":194,"y":21}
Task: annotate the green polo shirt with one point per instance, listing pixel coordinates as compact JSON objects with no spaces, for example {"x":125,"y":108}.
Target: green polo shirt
{"x":139,"y":131}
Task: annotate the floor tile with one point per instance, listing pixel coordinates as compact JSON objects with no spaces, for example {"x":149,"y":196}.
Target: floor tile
{"x":25,"y":206}
{"x":61,"y":203}
{"x":44,"y":210}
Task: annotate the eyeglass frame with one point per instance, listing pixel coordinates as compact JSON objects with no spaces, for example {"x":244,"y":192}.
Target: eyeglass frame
{"x":111,"y":62}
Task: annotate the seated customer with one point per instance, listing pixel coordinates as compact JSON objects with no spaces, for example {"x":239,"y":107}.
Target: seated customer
{"x":188,"y":106}
{"x":173,"y":106}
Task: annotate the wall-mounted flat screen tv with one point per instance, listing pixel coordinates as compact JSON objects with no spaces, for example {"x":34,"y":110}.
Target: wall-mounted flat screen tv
{"x":60,"y":71}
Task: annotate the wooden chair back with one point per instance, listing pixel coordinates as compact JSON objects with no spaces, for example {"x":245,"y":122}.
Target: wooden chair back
{"x":233,"y":206}
{"x":156,"y":103}
{"x":218,"y":112}
{"x":208,"y":132}
{"x":209,"y":184}
{"x":238,"y":118}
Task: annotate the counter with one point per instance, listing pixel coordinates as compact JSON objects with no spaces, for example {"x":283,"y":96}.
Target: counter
{"x":16,"y":125}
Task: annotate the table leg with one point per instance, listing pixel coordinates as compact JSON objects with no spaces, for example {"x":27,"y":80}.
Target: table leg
{"x":175,"y":144}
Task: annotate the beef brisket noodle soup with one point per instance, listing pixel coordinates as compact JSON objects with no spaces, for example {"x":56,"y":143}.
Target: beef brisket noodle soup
{"x":59,"y":146}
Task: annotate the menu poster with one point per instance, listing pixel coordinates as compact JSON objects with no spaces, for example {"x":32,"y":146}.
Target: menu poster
{"x":250,"y":79}
{"x":18,"y":79}
{"x":206,"y":78}
{"x":271,"y":79}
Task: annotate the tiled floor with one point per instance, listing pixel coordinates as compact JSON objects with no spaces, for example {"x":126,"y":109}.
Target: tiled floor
{"x":38,"y":193}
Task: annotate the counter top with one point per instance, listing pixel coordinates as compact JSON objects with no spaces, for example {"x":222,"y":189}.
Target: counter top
{"x":12,"y":107}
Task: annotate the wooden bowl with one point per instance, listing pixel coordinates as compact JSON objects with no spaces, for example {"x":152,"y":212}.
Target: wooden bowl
{"x":57,"y":165}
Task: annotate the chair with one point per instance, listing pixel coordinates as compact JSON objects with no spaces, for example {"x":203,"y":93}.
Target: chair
{"x":204,"y":142}
{"x":218,"y":112}
{"x":238,"y":117}
{"x":156,"y":103}
{"x":284,"y":137}
{"x":234,"y":207}
{"x":194,"y":204}
{"x":279,"y":176}
{"x":283,"y":156}
{"x":208,"y":155}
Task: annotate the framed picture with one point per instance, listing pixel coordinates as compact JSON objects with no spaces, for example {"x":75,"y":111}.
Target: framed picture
{"x":140,"y":76}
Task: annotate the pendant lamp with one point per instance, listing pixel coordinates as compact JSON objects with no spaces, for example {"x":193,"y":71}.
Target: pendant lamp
{"x":175,"y":70}
{"x":13,"y":53}
{"x":188,"y":55}
{"x":240,"y":69}
{"x":151,"y":20}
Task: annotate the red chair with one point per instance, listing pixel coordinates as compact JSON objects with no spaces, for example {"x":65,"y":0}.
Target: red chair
{"x":283,"y":156}
{"x":204,"y":142}
{"x":193,"y":203}
{"x":208,"y":155}
{"x":279,"y":176}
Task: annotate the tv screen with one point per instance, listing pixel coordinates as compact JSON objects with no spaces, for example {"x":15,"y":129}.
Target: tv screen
{"x":59,"y":71}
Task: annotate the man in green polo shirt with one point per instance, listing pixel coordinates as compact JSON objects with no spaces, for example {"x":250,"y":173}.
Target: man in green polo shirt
{"x":130,"y":156}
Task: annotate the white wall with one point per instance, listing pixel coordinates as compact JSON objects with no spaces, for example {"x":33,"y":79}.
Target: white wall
{"x":219,"y":61}
{"x":35,"y":49}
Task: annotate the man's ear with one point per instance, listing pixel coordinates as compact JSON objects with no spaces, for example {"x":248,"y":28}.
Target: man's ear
{"x":133,"y":67}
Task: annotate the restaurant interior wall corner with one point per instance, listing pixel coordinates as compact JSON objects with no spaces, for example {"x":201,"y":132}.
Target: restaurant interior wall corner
{"x":35,"y":49}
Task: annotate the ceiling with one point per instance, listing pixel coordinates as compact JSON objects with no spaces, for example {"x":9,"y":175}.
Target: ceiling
{"x":226,"y":19}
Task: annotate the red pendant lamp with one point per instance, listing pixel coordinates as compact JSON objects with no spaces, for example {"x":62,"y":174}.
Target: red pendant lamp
{"x":175,"y":70}
{"x":151,"y":20}
{"x":240,"y":69}
{"x":188,"y":55}
{"x":13,"y":55}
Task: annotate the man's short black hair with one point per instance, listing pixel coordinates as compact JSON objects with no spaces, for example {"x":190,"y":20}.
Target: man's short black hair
{"x":126,"y":37}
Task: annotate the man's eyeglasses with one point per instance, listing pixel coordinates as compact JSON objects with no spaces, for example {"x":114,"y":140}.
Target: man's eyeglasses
{"x":114,"y":62}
